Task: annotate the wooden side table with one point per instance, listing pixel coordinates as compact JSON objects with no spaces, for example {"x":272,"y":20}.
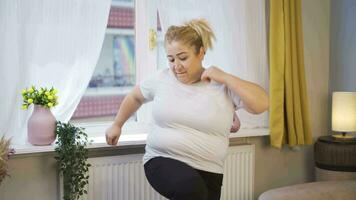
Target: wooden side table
{"x":335,"y":159}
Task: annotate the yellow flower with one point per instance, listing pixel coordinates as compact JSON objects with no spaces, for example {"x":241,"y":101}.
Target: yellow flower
{"x":43,"y":96}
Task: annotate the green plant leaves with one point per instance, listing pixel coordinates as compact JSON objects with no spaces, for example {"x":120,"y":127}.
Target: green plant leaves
{"x":72,"y":159}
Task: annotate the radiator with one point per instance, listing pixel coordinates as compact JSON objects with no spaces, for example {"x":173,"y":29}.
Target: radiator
{"x":122,"y":177}
{"x":239,"y":173}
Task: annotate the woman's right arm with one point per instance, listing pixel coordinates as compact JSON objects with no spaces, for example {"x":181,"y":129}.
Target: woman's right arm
{"x":131,"y":103}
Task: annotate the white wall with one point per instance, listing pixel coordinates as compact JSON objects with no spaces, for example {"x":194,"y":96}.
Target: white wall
{"x":33,"y":178}
{"x":343,"y":46}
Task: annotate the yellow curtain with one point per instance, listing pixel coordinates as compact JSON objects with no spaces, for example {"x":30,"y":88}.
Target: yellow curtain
{"x":289,"y":109}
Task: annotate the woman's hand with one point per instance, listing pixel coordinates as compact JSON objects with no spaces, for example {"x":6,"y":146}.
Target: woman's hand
{"x":112,"y":134}
{"x":215,"y":74}
{"x":236,"y":124}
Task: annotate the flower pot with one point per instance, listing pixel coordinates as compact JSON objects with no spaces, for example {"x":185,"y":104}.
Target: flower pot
{"x":41,"y":126}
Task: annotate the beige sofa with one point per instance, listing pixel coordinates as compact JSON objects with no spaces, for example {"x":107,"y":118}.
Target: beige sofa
{"x":330,"y":185}
{"x":335,"y":169}
{"x":321,"y":190}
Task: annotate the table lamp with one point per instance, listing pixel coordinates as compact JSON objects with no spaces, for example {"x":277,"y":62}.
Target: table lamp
{"x":344,"y":114}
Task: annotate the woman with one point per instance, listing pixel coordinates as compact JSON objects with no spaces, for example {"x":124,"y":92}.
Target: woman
{"x":192,"y":109}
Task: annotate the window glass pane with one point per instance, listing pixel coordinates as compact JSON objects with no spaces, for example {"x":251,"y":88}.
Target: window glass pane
{"x":115,"y":72}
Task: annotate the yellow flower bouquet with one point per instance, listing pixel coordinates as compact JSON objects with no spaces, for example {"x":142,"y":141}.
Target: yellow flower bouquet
{"x":43,"y":96}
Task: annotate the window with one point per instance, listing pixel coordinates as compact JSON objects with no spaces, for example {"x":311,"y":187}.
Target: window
{"x":116,"y":72}
{"x":126,"y":59}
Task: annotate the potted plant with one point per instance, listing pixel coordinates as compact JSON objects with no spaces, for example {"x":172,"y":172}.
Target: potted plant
{"x":72,"y":159}
{"x":41,"y":124}
{"x":5,"y":153}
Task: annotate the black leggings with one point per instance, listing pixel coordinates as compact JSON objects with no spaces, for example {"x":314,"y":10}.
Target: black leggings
{"x":176,"y":180}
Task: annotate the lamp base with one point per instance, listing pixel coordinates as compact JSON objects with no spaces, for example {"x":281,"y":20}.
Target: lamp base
{"x":333,"y":140}
{"x":344,"y":136}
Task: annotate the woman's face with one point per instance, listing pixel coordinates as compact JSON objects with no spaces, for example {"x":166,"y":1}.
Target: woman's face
{"x":184,"y":62}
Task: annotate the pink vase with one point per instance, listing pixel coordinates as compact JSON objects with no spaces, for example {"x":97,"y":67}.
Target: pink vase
{"x":41,"y":126}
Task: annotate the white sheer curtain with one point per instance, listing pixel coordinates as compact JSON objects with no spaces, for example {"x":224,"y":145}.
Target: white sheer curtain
{"x":241,"y":46}
{"x":47,"y":43}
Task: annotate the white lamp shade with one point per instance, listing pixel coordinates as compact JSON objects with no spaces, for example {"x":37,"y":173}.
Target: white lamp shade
{"x":344,"y":111}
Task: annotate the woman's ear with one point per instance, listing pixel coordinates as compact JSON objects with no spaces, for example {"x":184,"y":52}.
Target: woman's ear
{"x":201,"y":53}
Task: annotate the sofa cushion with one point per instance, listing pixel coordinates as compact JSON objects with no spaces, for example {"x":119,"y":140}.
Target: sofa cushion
{"x":324,"y":190}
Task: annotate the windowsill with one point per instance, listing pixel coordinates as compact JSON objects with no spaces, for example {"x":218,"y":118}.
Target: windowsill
{"x":125,"y":141}
{"x":96,"y":142}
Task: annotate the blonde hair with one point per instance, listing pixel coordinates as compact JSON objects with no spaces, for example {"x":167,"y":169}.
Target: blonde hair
{"x":196,"y":33}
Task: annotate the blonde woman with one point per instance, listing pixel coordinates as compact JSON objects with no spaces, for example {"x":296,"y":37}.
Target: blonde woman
{"x":192,"y":111}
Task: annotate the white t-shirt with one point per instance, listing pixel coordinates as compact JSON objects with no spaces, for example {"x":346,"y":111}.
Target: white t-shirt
{"x":191,"y":123}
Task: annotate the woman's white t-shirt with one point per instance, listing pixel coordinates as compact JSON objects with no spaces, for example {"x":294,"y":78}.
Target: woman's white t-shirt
{"x":191,"y":123}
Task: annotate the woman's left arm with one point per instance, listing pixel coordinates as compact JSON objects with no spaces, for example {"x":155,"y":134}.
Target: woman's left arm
{"x":253,"y":96}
